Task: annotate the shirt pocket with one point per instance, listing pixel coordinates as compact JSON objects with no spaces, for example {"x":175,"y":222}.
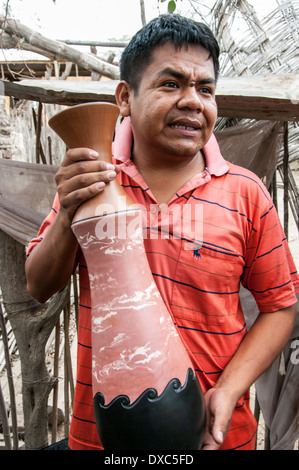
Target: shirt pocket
{"x":206,"y":287}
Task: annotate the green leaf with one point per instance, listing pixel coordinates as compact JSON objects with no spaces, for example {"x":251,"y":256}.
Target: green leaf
{"x":171,"y":6}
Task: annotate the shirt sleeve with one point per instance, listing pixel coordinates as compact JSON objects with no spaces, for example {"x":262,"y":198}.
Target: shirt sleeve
{"x":270,"y":272}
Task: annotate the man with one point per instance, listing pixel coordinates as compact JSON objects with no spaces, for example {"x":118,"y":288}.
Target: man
{"x":165,"y":155}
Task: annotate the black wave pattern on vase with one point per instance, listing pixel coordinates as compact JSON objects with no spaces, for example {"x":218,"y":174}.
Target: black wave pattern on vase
{"x":175,"y":420}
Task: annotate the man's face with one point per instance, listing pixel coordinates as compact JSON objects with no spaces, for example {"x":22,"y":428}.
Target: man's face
{"x":171,"y":117}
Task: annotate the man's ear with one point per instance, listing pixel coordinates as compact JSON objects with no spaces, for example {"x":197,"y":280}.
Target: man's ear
{"x":123,"y":94}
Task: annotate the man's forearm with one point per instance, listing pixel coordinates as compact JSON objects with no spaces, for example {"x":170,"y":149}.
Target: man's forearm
{"x":51,"y":262}
{"x":258,"y":350}
{"x":262,"y":344}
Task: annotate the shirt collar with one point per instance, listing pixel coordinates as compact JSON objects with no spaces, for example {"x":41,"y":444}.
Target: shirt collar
{"x":122,"y":146}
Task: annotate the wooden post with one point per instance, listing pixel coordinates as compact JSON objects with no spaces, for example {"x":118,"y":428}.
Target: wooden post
{"x":286,"y":180}
{"x":32,"y":324}
{"x":55,"y":391}
{"x":37,"y":121}
{"x":142,"y":12}
{"x":273,"y":188}
{"x":4,"y":420}
{"x":10,"y":382}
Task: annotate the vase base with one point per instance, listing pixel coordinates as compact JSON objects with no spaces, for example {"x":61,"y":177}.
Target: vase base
{"x":175,"y":420}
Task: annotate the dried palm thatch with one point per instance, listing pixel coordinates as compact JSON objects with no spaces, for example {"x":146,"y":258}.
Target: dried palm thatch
{"x":254,"y":46}
{"x":267,"y":46}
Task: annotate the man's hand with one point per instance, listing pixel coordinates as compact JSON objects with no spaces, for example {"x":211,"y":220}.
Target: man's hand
{"x":80,"y":177}
{"x":220,"y":408}
{"x":261,"y":345}
{"x":51,"y":263}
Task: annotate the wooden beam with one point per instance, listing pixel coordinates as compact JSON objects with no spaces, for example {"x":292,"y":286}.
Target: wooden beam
{"x":72,"y":42}
{"x":62,"y":92}
{"x":270,"y":98}
{"x":249,"y":107}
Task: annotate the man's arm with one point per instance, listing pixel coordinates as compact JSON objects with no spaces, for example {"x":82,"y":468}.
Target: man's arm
{"x":51,"y":263}
{"x":260,"y":347}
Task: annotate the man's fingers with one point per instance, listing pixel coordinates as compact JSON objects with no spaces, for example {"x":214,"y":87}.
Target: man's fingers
{"x":83,"y":180}
{"x":78,"y":154}
{"x":81,"y":176}
{"x":219,"y":412}
{"x":75,"y":198}
{"x":76,"y":190}
{"x":79,"y":169}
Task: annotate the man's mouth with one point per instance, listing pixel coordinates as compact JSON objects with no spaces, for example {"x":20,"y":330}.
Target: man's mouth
{"x":180,"y":126}
{"x":186,"y":124}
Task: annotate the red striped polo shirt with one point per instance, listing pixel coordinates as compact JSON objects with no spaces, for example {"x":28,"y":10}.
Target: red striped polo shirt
{"x":220,"y":229}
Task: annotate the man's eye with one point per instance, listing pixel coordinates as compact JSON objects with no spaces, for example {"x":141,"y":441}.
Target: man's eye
{"x":206,"y":91}
{"x":170,"y":84}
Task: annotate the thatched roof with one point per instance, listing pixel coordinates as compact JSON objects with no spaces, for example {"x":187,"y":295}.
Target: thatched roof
{"x":265,"y":46}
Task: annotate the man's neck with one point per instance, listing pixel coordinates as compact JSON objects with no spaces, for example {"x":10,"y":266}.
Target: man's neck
{"x":166,"y":177}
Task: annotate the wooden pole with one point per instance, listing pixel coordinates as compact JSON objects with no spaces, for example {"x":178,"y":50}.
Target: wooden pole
{"x":142,"y":12}
{"x":10,"y":381}
{"x":66,"y":380}
{"x":286,"y":180}
{"x":55,"y":390}
{"x":37,"y":120}
{"x":4,"y":420}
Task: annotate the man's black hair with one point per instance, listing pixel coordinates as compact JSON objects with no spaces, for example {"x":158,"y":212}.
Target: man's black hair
{"x":161,"y":30}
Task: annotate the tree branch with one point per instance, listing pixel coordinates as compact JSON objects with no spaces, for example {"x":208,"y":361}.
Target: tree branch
{"x":142,"y":12}
{"x":58,"y":49}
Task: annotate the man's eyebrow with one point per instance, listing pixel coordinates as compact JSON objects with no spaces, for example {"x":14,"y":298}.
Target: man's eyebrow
{"x":181,"y":76}
{"x":174,"y":73}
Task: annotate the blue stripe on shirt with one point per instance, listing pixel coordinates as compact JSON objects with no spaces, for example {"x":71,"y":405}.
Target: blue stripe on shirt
{"x":193,"y":287}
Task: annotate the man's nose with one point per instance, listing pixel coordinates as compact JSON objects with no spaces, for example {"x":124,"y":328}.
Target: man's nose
{"x":190,"y":98}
